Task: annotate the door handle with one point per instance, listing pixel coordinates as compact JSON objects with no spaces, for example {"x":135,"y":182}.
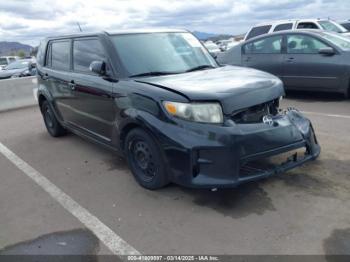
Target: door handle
{"x":71,"y":85}
{"x":247,"y":59}
{"x":290,"y":59}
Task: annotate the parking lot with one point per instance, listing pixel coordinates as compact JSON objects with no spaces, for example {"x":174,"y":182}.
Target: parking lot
{"x":305,"y":211}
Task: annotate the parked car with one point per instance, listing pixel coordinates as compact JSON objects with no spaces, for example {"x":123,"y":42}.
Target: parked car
{"x":212,"y":48}
{"x":345,"y":24}
{"x":232,"y":44}
{"x":176,"y":116}
{"x":275,"y":26}
{"x":5,"y":60}
{"x":222,"y":44}
{"x":303,"y":59}
{"x":19,"y":68}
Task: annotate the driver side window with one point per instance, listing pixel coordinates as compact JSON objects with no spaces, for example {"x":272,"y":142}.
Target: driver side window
{"x":86,"y":51}
{"x":303,"y":44}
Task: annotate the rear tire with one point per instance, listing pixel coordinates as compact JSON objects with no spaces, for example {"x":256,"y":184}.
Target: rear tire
{"x":145,"y":160}
{"x":54,"y":128}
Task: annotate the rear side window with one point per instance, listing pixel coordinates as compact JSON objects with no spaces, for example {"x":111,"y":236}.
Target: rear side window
{"x":268,"y":45}
{"x":307,"y":25}
{"x":346,"y":25}
{"x":3,"y":61}
{"x":86,"y":51}
{"x":60,"y":55}
{"x":259,"y":30}
{"x":282,"y":27}
{"x":303,"y":44}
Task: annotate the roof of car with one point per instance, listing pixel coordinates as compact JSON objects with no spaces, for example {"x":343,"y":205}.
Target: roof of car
{"x":122,"y":32}
{"x":290,"y":21}
{"x":307,"y":31}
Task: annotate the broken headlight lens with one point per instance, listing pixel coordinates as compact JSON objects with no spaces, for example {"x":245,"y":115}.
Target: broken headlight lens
{"x":196,"y":112}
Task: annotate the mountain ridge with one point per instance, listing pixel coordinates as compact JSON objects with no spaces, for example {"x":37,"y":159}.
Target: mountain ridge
{"x":12,"y":48}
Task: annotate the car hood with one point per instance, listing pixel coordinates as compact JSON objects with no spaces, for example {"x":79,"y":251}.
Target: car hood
{"x":234,"y":87}
{"x":8,"y":73}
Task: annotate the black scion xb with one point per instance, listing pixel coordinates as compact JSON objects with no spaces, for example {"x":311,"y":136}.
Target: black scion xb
{"x":158,"y":98}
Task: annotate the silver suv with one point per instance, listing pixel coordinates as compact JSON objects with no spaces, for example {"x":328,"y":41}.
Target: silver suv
{"x":274,"y":26}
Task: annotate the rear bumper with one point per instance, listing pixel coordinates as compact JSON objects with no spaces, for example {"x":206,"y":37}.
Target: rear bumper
{"x":228,"y":156}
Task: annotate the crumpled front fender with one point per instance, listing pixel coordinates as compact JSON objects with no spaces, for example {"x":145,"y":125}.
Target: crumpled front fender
{"x":305,"y":127}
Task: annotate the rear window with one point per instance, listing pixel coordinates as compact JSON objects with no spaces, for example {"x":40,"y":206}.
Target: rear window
{"x":40,"y":56}
{"x":60,"y":55}
{"x":331,"y":26}
{"x":3,"y":61}
{"x":268,"y":45}
{"x":86,"y":51}
{"x":307,"y":25}
{"x":18,"y":64}
{"x":259,"y":30}
{"x":346,"y":26}
{"x":282,"y":27}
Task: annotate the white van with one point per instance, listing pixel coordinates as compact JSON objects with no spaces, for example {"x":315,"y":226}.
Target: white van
{"x":322,"y":24}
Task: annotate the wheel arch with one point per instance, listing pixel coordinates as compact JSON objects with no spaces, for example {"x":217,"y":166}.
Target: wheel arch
{"x":41,"y":99}
{"x":125,"y":130}
{"x":130,"y":126}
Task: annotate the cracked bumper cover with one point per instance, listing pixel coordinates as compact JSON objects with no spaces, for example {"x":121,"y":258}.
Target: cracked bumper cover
{"x":219,"y":156}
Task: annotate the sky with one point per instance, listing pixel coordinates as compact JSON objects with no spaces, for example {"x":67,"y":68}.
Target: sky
{"x":28,"y":21}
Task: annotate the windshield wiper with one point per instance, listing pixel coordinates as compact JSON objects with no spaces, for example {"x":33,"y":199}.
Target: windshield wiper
{"x":155,"y":73}
{"x":201,"y":67}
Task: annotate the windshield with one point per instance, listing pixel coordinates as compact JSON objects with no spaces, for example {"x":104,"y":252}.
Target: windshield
{"x":331,"y":26}
{"x":161,"y":52}
{"x":338,"y":40}
{"x":3,"y":61}
{"x":18,"y":65}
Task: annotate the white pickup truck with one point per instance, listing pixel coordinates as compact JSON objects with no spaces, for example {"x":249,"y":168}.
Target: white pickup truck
{"x":5,"y":60}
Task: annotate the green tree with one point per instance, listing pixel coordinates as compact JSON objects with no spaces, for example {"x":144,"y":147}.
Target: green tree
{"x":21,"y":53}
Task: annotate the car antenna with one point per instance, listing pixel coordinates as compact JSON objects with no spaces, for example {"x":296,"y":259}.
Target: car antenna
{"x":79,"y":27}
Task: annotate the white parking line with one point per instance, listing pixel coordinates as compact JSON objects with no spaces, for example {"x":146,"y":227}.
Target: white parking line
{"x":328,"y":115}
{"x":114,"y":242}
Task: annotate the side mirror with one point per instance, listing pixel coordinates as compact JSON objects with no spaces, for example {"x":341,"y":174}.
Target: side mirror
{"x":328,"y":51}
{"x":98,"y":67}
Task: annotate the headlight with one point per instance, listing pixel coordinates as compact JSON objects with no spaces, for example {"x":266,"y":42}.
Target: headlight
{"x":197,"y":112}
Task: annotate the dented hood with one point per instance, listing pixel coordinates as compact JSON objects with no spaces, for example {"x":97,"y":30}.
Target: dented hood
{"x":234,"y":87}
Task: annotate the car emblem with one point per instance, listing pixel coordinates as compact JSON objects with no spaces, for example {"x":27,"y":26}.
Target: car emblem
{"x":268,"y":120}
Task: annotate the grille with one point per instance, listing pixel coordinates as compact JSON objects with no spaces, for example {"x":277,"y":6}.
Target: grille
{"x":255,"y":113}
{"x":259,"y":166}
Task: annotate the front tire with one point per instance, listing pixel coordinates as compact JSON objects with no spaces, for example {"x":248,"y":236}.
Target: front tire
{"x":145,"y":160}
{"x":54,"y":128}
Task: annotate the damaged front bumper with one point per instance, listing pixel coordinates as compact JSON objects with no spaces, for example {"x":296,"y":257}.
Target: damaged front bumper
{"x":218,"y":157}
